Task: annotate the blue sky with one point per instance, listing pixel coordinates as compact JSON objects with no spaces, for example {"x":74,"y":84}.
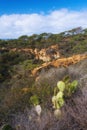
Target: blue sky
{"x":38,"y":6}
{"x":26,"y":17}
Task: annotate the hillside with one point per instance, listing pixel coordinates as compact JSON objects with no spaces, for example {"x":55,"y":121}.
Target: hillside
{"x":32,"y":65}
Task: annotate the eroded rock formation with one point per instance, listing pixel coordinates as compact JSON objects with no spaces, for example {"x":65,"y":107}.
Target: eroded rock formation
{"x":46,"y":54}
{"x":65,"y":62}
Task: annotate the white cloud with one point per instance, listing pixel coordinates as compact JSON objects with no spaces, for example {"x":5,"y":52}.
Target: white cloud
{"x":15,"y":25}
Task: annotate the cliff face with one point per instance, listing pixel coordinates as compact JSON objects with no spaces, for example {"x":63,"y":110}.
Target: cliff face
{"x":50,"y":56}
{"x":64,"y":62}
{"x":46,"y":54}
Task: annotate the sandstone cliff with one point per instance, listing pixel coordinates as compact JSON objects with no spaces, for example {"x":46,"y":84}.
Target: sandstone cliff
{"x":65,"y":62}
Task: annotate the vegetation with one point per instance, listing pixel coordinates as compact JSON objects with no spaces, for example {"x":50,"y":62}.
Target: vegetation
{"x":63,"y":90}
{"x":20,"y":92}
{"x":34,"y":100}
{"x":7,"y":127}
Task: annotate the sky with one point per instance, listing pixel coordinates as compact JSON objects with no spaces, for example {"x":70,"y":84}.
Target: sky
{"x":27,"y":17}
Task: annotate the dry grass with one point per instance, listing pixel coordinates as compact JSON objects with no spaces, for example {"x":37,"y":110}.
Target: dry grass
{"x":74,"y":112}
{"x":74,"y":116}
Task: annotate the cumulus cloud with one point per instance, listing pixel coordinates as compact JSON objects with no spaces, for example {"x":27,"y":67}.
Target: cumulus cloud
{"x":15,"y":25}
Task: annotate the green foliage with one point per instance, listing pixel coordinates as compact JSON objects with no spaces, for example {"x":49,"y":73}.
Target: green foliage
{"x":28,"y":64}
{"x":81,"y":47}
{"x":34,"y":100}
{"x":7,"y":127}
{"x":44,"y":93}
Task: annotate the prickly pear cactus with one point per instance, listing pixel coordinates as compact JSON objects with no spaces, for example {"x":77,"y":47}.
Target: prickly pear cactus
{"x":34,"y":100}
{"x":63,"y":89}
{"x":74,"y":86}
{"x":70,"y":88}
{"x":58,"y":100}
{"x":61,"y":102}
{"x":61,"y":86}
{"x":59,"y":95}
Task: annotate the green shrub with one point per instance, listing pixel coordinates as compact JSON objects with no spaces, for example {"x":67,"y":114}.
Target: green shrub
{"x":7,"y":127}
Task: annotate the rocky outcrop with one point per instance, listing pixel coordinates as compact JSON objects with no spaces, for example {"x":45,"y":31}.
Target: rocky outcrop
{"x":46,"y":54}
{"x":65,"y":62}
